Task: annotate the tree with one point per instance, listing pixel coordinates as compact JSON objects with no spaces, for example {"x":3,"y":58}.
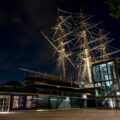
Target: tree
{"x":13,"y":83}
{"x":114,"y":7}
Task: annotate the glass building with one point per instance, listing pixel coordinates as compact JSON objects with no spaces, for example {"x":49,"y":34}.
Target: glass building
{"x":25,"y":101}
{"x":106,"y":83}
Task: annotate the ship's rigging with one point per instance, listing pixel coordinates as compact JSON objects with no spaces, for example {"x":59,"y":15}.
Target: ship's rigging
{"x":80,"y":43}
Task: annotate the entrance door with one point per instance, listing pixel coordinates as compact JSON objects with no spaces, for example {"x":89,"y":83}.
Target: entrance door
{"x":4,"y":103}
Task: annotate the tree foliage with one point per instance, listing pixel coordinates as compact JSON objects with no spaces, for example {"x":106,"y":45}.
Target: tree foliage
{"x":13,"y":83}
{"x":114,"y":7}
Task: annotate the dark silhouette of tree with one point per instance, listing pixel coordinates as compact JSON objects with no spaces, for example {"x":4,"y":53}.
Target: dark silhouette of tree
{"x":114,"y":7}
{"x":13,"y":83}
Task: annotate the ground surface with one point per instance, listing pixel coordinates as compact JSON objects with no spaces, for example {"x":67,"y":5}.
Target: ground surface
{"x":63,"y":115}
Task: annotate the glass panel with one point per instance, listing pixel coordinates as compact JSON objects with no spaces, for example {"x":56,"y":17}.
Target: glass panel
{"x":110,"y":102}
{"x":96,"y":73}
{"x":97,"y":92}
{"x":34,"y":102}
{"x":53,"y":102}
{"x":4,"y":104}
{"x":65,"y":103}
{"x":75,"y":102}
{"x":43,"y":102}
{"x":15,"y":102}
{"x":111,"y":70}
{"x":103,"y":72}
{"x":29,"y":102}
{"x":60,"y":101}
{"x":21,"y":102}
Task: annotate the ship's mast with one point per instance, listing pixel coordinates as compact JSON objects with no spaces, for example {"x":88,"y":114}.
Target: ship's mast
{"x":86,"y":54}
{"x":103,"y":48}
{"x":60,"y":43}
{"x":60,"y":46}
{"x":88,"y":45}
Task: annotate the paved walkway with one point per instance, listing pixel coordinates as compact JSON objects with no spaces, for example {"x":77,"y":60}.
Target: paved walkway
{"x":63,"y":115}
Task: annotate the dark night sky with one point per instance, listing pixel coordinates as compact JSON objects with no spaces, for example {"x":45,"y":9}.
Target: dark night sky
{"x":22,"y":45}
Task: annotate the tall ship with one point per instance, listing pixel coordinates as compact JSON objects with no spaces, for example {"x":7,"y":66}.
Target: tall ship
{"x":85,"y":57}
{"x":78,"y":44}
{"x":87,"y":70}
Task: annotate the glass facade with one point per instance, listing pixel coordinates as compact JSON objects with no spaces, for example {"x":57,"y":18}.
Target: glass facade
{"x":16,"y":102}
{"x":106,"y":83}
{"x":105,"y":78}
